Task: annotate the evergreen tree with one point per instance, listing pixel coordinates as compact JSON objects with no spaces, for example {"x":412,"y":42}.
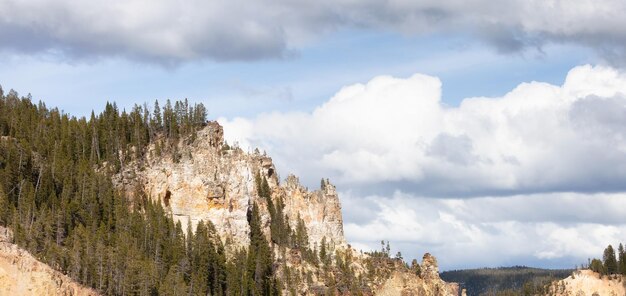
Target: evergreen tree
{"x":609,"y":260}
{"x":301,"y":236}
{"x":621,"y":256}
{"x":259,"y":262}
{"x":157,"y":121}
{"x":597,"y":266}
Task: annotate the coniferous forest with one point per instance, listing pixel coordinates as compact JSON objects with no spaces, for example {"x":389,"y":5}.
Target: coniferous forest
{"x":57,"y":196}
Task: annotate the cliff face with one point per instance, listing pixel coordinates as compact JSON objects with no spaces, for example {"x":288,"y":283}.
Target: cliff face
{"x":428,"y":284}
{"x":211,"y":181}
{"x":320,"y":210}
{"x":202,"y":178}
{"x":588,"y":283}
{"x":22,"y":274}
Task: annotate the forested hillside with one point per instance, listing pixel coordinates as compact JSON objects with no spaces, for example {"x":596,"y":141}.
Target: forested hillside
{"x":503,"y":281}
{"x":57,"y":196}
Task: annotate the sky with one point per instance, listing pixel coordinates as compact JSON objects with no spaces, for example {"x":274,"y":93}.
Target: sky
{"x":486,"y":133}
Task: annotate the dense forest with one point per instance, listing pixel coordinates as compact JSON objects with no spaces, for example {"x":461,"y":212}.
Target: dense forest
{"x":517,"y":280}
{"x":57,"y":196}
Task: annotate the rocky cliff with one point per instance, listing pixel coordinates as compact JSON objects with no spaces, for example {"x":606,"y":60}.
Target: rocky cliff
{"x":22,"y":274}
{"x":588,"y":283}
{"x":202,"y":178}
{"x":428,"y":284}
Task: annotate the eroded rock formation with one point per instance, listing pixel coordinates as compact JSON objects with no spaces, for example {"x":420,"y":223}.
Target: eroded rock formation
{"x":202,"y":178}
{"x":207,"y":180}
{"x":427,"y":283}
{"x":589,"y":283}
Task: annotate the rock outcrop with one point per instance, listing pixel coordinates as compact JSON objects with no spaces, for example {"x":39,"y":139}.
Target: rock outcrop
{"x":427,"y":283}
{"x":589,"y":283}
{"x":22,"y":274}
{"x":204,"y":179}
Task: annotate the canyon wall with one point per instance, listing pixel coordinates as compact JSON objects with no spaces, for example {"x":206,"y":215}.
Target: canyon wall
{"x":204,"y":179}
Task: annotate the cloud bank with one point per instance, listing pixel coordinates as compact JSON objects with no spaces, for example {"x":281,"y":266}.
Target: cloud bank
{"x":173,"y":31}
{"x":547,"y":230}
{"x":536,"y":138}
{"x":536,"y":176}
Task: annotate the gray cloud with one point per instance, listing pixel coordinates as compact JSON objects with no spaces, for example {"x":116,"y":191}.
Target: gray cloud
{"x":453,"y":149}
{"x":596,"y":115}
{"x":171,"y":31}
{"x":549,"y":230}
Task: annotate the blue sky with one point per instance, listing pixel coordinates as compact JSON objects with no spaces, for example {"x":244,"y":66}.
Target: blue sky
{"x":423,"y":113}
{"x":301,"y":81}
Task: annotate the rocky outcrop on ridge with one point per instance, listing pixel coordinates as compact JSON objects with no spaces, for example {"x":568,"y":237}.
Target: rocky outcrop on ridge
{"x":589,"y":283}
{"x":201,"y":178}
{"x":204,"y":179}
{"x":426,"y":284}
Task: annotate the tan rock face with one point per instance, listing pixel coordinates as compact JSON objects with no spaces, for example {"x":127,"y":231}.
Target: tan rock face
{"x":589,"y":283}
{"x":22,"y":274}
{"x":320,"y":210}
{"x":430,"y":269}
{"x":212,"y":182}
{"x":402,"y":283}
{"x":209,"y":182}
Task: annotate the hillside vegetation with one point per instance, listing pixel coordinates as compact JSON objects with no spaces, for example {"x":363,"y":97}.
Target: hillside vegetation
{"x":517,"y":280}
{"x":58,"y":197}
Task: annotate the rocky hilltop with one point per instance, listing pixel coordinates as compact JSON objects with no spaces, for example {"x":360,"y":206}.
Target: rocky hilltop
{"x":588,"y":283}
{"x":429,"y":283}
{"x":210,"y":181}
{"x":22,"y":274}
{"x":203,"y":179}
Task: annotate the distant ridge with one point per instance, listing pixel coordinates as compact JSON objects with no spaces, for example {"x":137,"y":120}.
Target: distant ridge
{"x":488,"y":281}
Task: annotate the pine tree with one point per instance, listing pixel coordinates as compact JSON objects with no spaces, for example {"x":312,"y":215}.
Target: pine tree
{"x":597,"y":266}
{"x":259,"y":262}
{"x":157,"y":121}
{"x":621,"y":256}
{"x":302,"y":238}
{"x":609,"y":261}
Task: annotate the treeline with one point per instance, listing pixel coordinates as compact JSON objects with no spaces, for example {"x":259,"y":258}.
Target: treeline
{"x":63,"y":208}
{"x":67,"y":213}
{"x":611,"y":263}
{"x":517,"y":280}
{"x":104,"y":137}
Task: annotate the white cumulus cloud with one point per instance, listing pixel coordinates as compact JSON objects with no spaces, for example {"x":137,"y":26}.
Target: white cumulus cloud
{"x":536,"y":138}
{"x":535,"y":177}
